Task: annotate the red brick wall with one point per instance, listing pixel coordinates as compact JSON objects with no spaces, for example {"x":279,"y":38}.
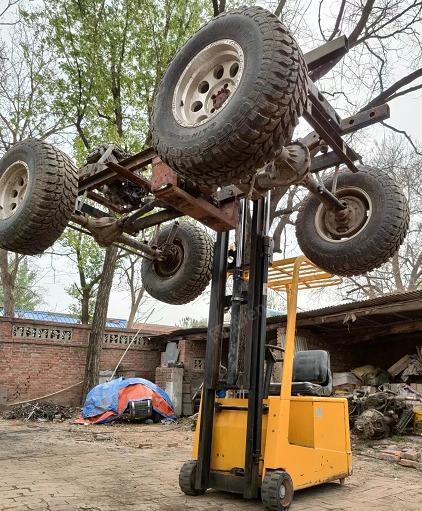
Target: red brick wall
{"x":38,"y":358}
{"x":192,"y":353}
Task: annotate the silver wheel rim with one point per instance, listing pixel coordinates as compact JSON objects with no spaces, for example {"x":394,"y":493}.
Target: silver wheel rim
{"x":208,"y":83}
{"x":343,"y":194}
{"x":13,"y":189}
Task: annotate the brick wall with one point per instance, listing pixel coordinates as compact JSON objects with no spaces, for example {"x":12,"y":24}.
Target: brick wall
{"x":38,"y":358}
{"x":192,"y":354}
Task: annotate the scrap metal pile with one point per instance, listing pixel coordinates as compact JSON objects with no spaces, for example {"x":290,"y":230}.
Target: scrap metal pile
{"x":385,"y":412}
{"x":384,"y":403}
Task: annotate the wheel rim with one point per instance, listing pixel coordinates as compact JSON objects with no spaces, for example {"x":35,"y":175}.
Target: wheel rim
{"x":208,"y":83}
{"x":282,"y":493}
{"x":340,"y":226}
{"x":13,"y":189}
{"x":172,"y":263}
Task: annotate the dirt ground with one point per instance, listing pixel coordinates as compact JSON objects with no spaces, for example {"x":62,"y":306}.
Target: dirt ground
{"x":61,"y":466}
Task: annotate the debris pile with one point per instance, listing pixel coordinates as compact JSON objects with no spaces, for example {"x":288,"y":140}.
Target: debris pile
{"x":405,"y":453}
{"x":380,"y":403}
{"x":42,"y":412}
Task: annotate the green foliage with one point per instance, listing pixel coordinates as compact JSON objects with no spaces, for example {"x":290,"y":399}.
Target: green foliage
{"x":188,"y":322}
{"x":111,"y":56}
{"x":27,"y":296}
{"x":88,"y":256}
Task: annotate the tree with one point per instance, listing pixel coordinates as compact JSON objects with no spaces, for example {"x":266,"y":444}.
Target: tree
{"x":96,"y":335}
{"x":26,"y":69}
{"x":188,"y":322}
{"x":219,"y":6}
{"x":5,"y":9}
{"x":18,"y":284}
{"x":109,"y":71}
{"x":130,"y":278}
{"x":88,"y":257}
{"x":404,"y":271}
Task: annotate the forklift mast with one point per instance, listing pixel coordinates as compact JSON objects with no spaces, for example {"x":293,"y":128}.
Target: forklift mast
{"x":252,"y":381}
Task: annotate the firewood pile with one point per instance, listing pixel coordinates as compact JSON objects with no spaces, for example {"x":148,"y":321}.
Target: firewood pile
{"x":40,"y":411}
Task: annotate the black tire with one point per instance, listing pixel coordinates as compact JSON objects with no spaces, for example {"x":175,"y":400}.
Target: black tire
{"x":260,"y":116}
{"x":186,"y":273}
{"x":376,"y":241}
{"x":187,"y":476}
{"x":275,"y":482}
{"x":49,"y":201}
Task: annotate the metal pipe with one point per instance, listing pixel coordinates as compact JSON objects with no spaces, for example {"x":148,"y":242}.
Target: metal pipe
{"x":322,"y":193}
{"x":257,"y":304}
{"x":236,"y":303}
{"x":128,"y":221}
{"x":212,"y":361}
{"x":241,"y":245}
{"x":147,"y":251}
{"x":114,"y":237}
{"x":154,"y":219}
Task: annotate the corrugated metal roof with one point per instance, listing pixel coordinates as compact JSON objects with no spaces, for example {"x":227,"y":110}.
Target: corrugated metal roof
{"x":394,"y":298}
{"x":275,"y":317}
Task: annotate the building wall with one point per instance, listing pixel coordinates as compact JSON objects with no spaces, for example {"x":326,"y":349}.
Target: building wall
{"x":38,"y":358}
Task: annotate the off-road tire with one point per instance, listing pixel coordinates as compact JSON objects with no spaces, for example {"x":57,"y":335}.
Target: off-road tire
{"x":270,"y":490}
{"x":194,"y":273}
{"x":258,"y":119}
{"x":187,"y":479}
{"x":49,"y":201}
{"x":372,"y":246}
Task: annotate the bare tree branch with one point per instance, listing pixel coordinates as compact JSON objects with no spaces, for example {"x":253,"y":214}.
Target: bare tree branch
{"x":338,"y":20}
{"x":360,"y":25}
{"x":386,"y":94}
{"x":280,"y":7}
{"x":218,"y":6}
{"x":405,"y":134}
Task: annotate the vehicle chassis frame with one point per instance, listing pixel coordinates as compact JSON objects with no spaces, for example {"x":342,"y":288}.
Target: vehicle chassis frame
{"x":219,"y":210}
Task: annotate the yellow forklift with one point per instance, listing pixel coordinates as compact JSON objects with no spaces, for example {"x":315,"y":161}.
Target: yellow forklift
{"x":280,"y":437}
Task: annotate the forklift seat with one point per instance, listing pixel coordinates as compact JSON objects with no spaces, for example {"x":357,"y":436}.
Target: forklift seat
{"x":311,"y":374}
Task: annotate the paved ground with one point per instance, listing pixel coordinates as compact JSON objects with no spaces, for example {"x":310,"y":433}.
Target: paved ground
{"x":61,"y":467}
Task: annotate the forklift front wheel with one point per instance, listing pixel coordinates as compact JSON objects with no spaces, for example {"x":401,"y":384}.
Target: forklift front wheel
{"x":277,"y":490}
{"x":187,"y":477}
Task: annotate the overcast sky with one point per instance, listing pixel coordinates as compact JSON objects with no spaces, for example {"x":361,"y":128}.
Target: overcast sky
{"x":56,"y":273}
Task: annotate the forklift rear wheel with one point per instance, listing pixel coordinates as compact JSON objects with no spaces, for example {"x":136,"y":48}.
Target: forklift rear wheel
{"x":230,"y":98}
{"x":277,"y":490}
{"x":187,"y":479}
{"x":38,"y":191}
{"x":361,"y":237}
{"x":186,"y":271}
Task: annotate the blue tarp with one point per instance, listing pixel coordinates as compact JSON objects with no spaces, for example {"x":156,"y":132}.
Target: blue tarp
{"x":105,"y":397}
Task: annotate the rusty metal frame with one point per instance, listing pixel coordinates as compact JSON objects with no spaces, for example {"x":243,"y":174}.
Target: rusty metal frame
{"x":220,"y":211}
